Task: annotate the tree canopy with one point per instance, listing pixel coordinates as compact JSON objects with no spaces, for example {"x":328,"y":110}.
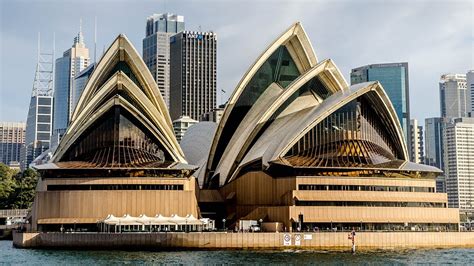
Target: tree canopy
{"x":17,"y":189}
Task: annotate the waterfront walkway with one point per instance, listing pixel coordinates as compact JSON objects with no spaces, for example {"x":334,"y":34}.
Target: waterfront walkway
{"x":223,"y":240}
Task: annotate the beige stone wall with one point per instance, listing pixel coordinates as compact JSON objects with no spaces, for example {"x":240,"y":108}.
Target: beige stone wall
{"x":88,"y":206}
{"x":318,"y":241}
{"x":375,"y":214}
{"x":258,"y":195}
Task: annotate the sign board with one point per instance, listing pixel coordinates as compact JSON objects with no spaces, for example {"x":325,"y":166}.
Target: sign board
{"x":286,"y":240}
{"x":308,"y":237}
{"x":297,"y":240}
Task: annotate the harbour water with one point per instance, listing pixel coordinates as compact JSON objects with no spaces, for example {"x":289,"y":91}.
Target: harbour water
{"x":13,"y":256}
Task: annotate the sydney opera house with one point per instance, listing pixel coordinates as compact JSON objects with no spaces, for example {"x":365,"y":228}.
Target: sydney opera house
{"x":296,"y":146}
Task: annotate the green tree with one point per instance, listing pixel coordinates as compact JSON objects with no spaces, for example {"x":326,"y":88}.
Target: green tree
{"x":7,"y":185}
{"x":25,"y":189}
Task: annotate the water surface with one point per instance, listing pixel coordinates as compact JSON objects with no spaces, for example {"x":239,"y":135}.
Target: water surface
{"x":13,"y":256}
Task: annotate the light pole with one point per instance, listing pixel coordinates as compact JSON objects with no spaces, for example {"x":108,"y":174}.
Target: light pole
{"x":261,"y":221}
{"x":223,"y":224}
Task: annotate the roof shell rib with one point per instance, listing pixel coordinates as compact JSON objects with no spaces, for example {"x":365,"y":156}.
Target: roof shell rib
{"x":135,"y":92}
{"x":298,"y":125}
{"x":292,"y":54}
{"x":272,"y":104}
{"x":290,"y":128}
{"x":265,"y":120}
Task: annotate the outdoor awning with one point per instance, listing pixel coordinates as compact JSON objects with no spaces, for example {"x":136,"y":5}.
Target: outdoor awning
{"x":68,"y":221}
{"x":157,"y":220}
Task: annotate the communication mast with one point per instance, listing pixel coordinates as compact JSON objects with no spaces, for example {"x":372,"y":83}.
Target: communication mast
{"x":44,"y":75}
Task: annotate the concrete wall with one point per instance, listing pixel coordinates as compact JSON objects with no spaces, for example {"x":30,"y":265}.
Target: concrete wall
{"x":325,"y":241}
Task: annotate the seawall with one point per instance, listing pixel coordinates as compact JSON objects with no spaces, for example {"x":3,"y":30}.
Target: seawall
{"x":221,"y":240}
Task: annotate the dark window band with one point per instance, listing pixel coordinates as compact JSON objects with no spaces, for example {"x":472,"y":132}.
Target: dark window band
{"x":115,"y":187}
{"x":370,"y":204}
{"x":366,"y":188}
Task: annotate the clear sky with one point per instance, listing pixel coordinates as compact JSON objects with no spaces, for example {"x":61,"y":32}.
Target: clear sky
{"x":434,"y":37}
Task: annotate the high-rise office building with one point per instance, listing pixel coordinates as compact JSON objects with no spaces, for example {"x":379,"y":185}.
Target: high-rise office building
{"x":470,"y":88}
{"x":417,"y":147}
{"x":40,"y":113}
{"x":181,"y":125}
{"x":214,"y":115}
{"x":156,"y":48}
{"x":459,"y":163}
{"x":193,"y":74}
{"x":453,"y":96}
{"x":12,"y":138}
{"x":80,"y":82}
{"x":38,"y":128}
{"x":434,"y":147}
{"x":394,"y":80}
{"x":73,"y":61}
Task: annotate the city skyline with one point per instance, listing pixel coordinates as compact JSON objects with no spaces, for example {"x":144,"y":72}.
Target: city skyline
{"x":414,"y":32}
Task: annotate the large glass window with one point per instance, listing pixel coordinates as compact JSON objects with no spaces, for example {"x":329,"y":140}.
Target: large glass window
{"x":44,"y":127}
{"x":44,"y":110}
{"x":279,"y":68}
{"x":44,"y":118}
{"x":117,"y":140}
{"x":44,"y":101}
{"x":355,"y":135}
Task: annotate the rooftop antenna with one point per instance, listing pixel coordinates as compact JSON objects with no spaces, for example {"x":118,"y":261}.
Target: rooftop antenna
{"x":53,"y":56}
{"x":95,"y":39}
{"x":43,"y":81}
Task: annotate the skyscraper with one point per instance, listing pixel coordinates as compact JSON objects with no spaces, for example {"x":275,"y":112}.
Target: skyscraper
{"x":193,"y":74}
{"x":417,"y":147}
{"x":80,"y":81}
{"x":156,"y":48}
{"x":12,"y":138}
{"x":434,"y":147}
{"x":434,"y":127}
{"x":470,"y":88}
{"x":453,"y":96}
{"x":459,"y":163}
{"x":39,"y":120}
{"x":181,"y":125}
{"x":394,"y":79}
{"x":73,"y":61}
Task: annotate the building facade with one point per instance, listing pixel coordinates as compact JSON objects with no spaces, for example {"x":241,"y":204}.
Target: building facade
{"x":459,"y":163}
{"x":394,"y":79}
{"x":38,"y":128}
{"x":296,"y":146}
{"x":73,"y":61}
{"x":299,"y":146}
{"x":80,"y":81}
{"x":214,"y":115}
{"x":470,"y":88}
{"x":181,"y":125}
{"x":453,"y":95}
{"x":434,"y":147}
{"x":156,"y":48}
{"x":119,"y":155}
{"x":193,"y":74}
{"x":417,"y":145}
{"x":12,"y":138}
